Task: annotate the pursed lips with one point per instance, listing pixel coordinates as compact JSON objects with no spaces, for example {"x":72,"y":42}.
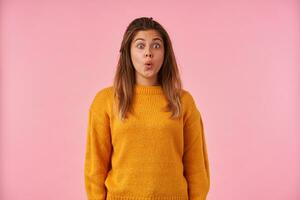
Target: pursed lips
{"x":148,"y":64}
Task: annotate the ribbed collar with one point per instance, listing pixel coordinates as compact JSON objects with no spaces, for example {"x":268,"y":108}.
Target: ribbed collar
{"x":143,"y":89}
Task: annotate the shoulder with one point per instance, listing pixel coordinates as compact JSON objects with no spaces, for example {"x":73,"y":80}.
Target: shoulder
{"x":191,"y":113}
{"x":104,"y":92}
{"x":187,"y":98}
{"x":101,"y":98}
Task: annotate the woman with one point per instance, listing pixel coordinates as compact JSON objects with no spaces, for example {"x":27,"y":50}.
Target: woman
{"x":145,"y":134}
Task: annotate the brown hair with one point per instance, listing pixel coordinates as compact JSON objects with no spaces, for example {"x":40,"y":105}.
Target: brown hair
{"x":168,"y":76}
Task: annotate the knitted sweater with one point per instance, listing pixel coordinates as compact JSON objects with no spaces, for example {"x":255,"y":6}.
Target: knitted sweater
{"x":148,"y":156}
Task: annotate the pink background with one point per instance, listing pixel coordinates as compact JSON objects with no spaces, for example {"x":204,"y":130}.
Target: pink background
{"x":240,"y":60}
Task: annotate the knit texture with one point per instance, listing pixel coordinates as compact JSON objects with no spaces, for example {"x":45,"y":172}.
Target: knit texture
{"x":148,"y":156}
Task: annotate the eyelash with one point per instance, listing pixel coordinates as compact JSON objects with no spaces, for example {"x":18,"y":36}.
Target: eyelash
{"x":143,"y":45}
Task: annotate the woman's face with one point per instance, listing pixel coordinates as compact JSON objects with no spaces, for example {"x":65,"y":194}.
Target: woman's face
{"x":147,"y":56}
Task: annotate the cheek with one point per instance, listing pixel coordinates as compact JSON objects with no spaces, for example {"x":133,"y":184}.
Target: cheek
{"x":136,"y":60}
{"x":135,"y":56}
{"x":161,"y":56}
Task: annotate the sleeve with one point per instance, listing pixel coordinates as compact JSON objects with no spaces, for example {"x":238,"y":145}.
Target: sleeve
{"x":195,"y":158}
{"x":98,"y":151}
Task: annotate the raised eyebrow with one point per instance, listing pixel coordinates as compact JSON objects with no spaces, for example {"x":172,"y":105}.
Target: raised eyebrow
{"x":157,"y":39}
{"x":144,"y":39}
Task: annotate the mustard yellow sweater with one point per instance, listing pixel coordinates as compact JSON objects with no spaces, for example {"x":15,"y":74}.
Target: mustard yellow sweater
{"x":149,"y":156}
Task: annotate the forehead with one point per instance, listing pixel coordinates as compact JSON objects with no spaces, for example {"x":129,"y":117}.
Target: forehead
{"x":147,"y":35}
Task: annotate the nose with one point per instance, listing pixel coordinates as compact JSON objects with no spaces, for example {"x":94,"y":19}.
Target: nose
{"x":148,"y":53}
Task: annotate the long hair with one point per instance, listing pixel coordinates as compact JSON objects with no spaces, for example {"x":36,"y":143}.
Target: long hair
{"x":168,"y":75}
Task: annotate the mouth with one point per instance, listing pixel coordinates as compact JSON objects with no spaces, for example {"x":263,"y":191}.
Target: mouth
{"x":149,"y":65}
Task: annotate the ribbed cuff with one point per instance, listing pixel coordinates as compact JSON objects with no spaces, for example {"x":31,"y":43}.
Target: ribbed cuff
{"x":111,"y":196}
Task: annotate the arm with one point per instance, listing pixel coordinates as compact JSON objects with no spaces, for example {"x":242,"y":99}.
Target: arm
{"x":195,"y":159}
{"x":98,"y":150}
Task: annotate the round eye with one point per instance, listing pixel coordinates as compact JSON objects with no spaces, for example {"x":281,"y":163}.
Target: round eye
{"x":140,"y":46}
{"x":156,"y":45}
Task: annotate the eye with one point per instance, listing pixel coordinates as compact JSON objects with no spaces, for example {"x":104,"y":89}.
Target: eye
{"x":156,"y":45}
{"x":140,"y":45}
